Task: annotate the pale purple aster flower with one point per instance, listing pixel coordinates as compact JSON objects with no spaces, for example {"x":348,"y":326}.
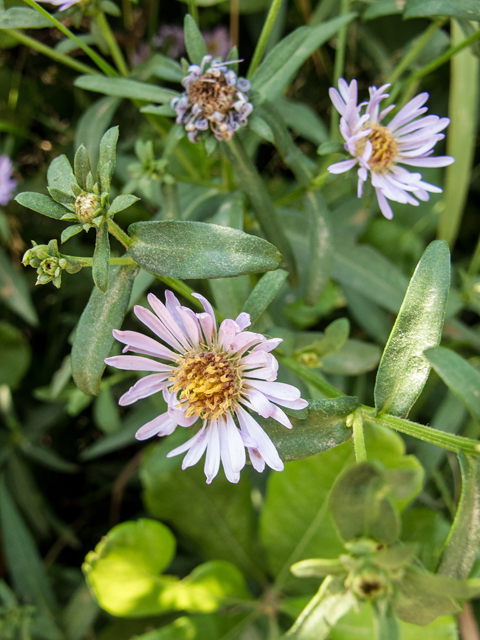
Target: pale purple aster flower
{"x":7,"y":183}
{"x":61,"y":4}
{"x":407,"y":139}
{"x":214,"y":97}
{"x":217,"y":42}
{"x":212,"y":375}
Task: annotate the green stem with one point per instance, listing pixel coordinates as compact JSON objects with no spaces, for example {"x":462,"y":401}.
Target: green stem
{"x":428,"y":68}
{"x":193,"y":10}
{"x":427,"y":434}
{"x":99,"y":61}
{"x":115,"y":50}
{"x":339,"y":67}
{"x":359,"y":438}
{"x":184,"y":290}
{"x":411,"y":55}
{"x":48,"y":51}
{"x":264,"y":36}
{"x":119,"y":233}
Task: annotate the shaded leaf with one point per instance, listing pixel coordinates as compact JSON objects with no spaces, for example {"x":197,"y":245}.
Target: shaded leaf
{"x":93,"y":124}
{"x":101,"y":257}
{"x":265,"y":291}
{"x":125,"y":88}
{"x":404,"y":369}
{"x":41,"y":204}
{"x":466,"y":9}
{"x":22,"y":18}
{"x":93,"y":338}
{"x":320,"y":264}
{"x":194,"y":41}
{"x":14,"y":291}
{"x":198,"y":250}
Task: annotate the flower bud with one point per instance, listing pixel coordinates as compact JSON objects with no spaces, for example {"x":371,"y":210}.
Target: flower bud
{"x":369,"y":583}
{"x":86,"y":207}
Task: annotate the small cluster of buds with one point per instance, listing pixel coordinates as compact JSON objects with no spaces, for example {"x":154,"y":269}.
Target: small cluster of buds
{"x":214,"y":96}
{"x":49,"y":263}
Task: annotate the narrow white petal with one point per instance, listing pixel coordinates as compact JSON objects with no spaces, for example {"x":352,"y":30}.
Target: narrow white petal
{"x":276,"y":389}
{"x":265,"y":446}
{"x":341,"y":167}
{"x":212,"y":461}
{"x":144,"y":344}
{"x":150,"y":320}
{"x":143,"y":388}
{"x":136,"y":363}
{"x":161,"y":425}
{"x":186,"y":445}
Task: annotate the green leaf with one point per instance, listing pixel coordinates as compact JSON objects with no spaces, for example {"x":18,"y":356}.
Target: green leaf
{"x":24,"y":561}
{"x":65,"y":199}
{"x":335,"y":336}
{"x":60,"y":175}
{"x":321,"y":252}
{"x":284,"y":60}
{"x":463,"y":541}
{"x":107,"y":158}
{"x":217,"y":520}
{"x":428,"y":530}
{"x":299,"y":163}
{"x":466,"y":9}
{"x":325,"y":609}
{"x":296,"y":523}
{"x":80,"y":613}
{"x":165,"y":68}
{"x":16,"y":355}
{"x":404,"y":369}
{"x":385,"y":623}
{"x":381,"y":8}
{"x":93,"y":338}
{"x":122,"y":202}
{"x":125,"y":88}
{"x":82,"y":166}
{"x":463,"y":101}
{"x":353,"y":359}
{"x":105,"y":412}
{"x":302,"y":119}
{"x":199,"y":250}
{"x":41,"y":204}
{"x":101,"y":257}
{"x":367,"y":271}
{"x":162,"y":110}
{"x":459,"y":375}
{"x":71,"y":231}
{"x":320,"y":428}
{"x":123,"y":570}
{"x":359,"y":624}
{"x":260,"y":126}
{"x":92,"y":126}
{"x":254,"y":188}
{"x":14,"y":291}
{"x":317,"y":568}
{"x":359,"y":507}
{"x":194,"y":42}
{"x":265,"y":291}
{"x":22,"y":18}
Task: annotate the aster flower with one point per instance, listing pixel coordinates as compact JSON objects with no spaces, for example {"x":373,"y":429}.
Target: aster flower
{"x":7,"y":183}
{"x":61,"y":4}
{"x":214,"y":96}
{"x":211,"y":375}
{"x":217,"y":42}
{"x":379,"y":149}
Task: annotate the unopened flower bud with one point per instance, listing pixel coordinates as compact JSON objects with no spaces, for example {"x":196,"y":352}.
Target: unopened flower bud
{"x":49,"y":263}
{"x":369,"y":584}
{"x":86,"y":207}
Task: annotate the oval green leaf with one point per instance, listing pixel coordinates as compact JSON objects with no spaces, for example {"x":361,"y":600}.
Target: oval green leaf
{"x":404,"y":369}
{"x":125,"y":88}
{"x":93,"y":337}
{"x":41,"y":204}
{"x":16,"y":355}
{"x":194,"y":42}
{"x":199,"y":250}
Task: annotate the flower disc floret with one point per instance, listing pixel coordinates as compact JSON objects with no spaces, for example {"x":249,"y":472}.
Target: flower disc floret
{"x":214,"y":97}
{"x":379,"y":149}
{"x":215,"y":375}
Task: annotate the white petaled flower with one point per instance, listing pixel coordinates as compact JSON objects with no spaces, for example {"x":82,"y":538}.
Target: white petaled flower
{"x":379,"y":148}
{"x":214,"y":97}
{"x":209,"y":375}
{"x":61,"y":4}
{"x":7,"y":183}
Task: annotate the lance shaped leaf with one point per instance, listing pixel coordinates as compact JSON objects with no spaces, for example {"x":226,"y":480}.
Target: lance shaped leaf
{"x":93,"y":337}
{"x":124,"y":574}
{"x":82,"y":166}
{"x":404,"y":369}
{"x":125,"y":88}
{"x":359,"y":506}
{"x":263,"y":294}
{"x":320,"y":262}
{"x":199,"y":250}
{"x":41,"y":204}
{"x":459,"y":376}
{"x":60,"y":175}
{"x":101,"y":257}
{"x":194,"y":42}
{"x":463,"y":540}
{"x":467,"y":9}
{"x":107,"y":158}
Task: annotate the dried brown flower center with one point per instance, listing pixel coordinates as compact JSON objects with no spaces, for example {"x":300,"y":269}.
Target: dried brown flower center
{"x":384,"y":147}
{"x":86,"y":206}
{"x":212,"y":94}
{"x":210,"y":382}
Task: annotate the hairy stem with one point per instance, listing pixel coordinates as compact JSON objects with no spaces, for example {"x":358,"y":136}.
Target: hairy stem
{"x":119,"y":233}
{"x":115,"y":50}
{"x":264,"y":36}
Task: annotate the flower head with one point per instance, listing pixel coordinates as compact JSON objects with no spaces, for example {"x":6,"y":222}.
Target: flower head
{"x":379,"y":149}
{"x":61,"y":4}
{"x":212,"y":375}
{"x":7,"y":183}
{"x":214,"y":96}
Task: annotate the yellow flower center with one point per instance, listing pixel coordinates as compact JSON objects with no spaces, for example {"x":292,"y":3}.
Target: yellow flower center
{"x":212,"y":93}
{"x":384,"y":148}
{"x":210,"y":382}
